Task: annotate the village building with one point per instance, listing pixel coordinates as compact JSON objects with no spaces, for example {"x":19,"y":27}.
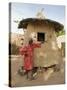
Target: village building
{"x":16,"y":39}
{"x":43,"y":30}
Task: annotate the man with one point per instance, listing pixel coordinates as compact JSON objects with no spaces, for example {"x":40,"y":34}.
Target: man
{"x":28,"y":52}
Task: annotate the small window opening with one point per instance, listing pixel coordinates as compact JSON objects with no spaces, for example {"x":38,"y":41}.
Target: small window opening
{"x":41,"y":37}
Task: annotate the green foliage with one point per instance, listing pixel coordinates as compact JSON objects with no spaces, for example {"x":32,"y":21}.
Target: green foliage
{"x":62,"y":32}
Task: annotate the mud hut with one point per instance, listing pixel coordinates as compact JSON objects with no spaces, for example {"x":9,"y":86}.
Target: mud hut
{"x":42,"y":29}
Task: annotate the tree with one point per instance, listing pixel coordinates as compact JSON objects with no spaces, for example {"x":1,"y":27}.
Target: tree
{"x":62,"y":32}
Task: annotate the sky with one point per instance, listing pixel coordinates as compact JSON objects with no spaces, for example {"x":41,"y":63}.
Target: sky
{"x":21,"y":11}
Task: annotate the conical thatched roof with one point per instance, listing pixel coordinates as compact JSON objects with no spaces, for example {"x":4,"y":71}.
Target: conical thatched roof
{"x":23,"y":23}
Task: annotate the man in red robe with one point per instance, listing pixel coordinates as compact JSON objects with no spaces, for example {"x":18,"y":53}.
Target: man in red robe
{"x":28,"y":52}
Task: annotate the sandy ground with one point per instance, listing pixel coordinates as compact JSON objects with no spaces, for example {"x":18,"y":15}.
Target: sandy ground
{"x":48,"y":77}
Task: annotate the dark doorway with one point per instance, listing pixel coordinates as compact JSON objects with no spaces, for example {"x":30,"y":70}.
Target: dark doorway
{"x":41,"y":37}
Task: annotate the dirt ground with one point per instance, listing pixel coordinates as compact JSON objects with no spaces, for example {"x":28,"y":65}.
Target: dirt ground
{"x":48,"y":77}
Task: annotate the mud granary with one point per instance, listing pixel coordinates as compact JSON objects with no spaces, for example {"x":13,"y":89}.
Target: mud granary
{"x":43,"y":30}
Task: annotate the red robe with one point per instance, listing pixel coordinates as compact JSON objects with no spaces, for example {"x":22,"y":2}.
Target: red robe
{"x":28,"y":51}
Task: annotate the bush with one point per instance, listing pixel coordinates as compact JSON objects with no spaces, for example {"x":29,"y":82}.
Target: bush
{"x":60,"y":33}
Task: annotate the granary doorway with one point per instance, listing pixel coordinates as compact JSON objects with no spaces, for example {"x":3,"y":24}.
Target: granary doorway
{"x":41,"y":37}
